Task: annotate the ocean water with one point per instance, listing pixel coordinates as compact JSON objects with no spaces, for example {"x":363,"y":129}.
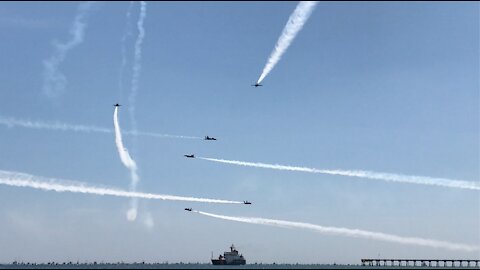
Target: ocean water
{"x":173,"y":266}
{"x":207,"y":266}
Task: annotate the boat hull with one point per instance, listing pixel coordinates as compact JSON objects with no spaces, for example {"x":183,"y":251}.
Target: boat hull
{"x":224,"y":262}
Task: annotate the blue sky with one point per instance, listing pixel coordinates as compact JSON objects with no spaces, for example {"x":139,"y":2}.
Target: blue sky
{"x":389,"y":87}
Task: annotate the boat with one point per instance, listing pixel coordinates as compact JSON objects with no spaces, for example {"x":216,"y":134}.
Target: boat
{"x":230,"y":258}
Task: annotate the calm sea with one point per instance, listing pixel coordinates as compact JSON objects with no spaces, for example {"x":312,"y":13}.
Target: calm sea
{"x":206,"y":266}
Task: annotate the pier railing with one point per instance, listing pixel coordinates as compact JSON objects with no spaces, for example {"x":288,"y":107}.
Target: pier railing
{"x":420,"y":263}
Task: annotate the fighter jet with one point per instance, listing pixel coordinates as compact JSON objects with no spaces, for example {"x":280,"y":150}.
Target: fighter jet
{"x":117,"y":105}
{"x":257,"y":85}
{"x":188,"y":209}
{"x":189,"y":156}
{"x":246,"y":202}
{"x":210,"y":138}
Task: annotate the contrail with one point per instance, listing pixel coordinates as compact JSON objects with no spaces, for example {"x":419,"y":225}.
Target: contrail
{"x":390,"y":177}
{"x":294,"y":25}
{"x":18,"y":179}
{"x":348,"y":232}
{"x":54,"y":81}
{"x":58,"y":126}
{"x":133,"y":94}
{"x":127,"y":162}
{"x":158,"y":135}
{"x":137,"y":62}
{"x":125,"y":36}
{"x":122,"y":150}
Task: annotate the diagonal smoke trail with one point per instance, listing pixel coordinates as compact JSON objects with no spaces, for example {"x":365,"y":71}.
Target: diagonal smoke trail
{"x":54,"y":82}
{"x":294,"y":25}
{"x":12,"y":122}
{"x":390,"y":177}
{"x":137,"y":66}
{"x":348,"y":232}
{"x":127,"y":162}
{"x":17,"y":179}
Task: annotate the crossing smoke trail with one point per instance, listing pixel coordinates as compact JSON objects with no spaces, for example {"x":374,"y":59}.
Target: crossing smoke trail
{"x":12,"y":122}
{"x":348,"y":232}
{"x":54,"y":82}
{"x":294,"y":25}
{"x":127,"y":162}
{"x":423,"y":180}
{"x":17,"y":179}
{"x":137,"y":62}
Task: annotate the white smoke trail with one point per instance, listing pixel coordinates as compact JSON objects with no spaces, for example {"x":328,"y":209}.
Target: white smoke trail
{"x":423,"y":180}
{"x":348,"y":232}
{"x":17,"y":179}
{"x":151,"y":134}
{"x":122,"y":150}
{"x":127,"y":162}
{"x":137,"y":62}
{"x":12,"y":122}
{"x":54,"y":81}
{"x":125,"y":36}
{"x":294,"y":25}
{"x":135,"y":78}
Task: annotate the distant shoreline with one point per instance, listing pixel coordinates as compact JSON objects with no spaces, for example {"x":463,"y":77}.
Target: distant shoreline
{"x":94,"y":265}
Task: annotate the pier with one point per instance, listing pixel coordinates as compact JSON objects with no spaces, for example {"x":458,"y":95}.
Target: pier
{"x":420,"y":263}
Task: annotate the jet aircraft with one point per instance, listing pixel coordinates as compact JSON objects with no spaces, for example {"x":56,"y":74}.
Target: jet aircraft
{"x":188,"y":209}
{"x":257,"y":85}
{"x":189,"y":156}
{"x":246,"y":202}
{"x":210,"y":138}
{"x":117,"y":105}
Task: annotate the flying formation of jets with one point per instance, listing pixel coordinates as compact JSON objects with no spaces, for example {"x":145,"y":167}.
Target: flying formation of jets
{"x":207,"y":138}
